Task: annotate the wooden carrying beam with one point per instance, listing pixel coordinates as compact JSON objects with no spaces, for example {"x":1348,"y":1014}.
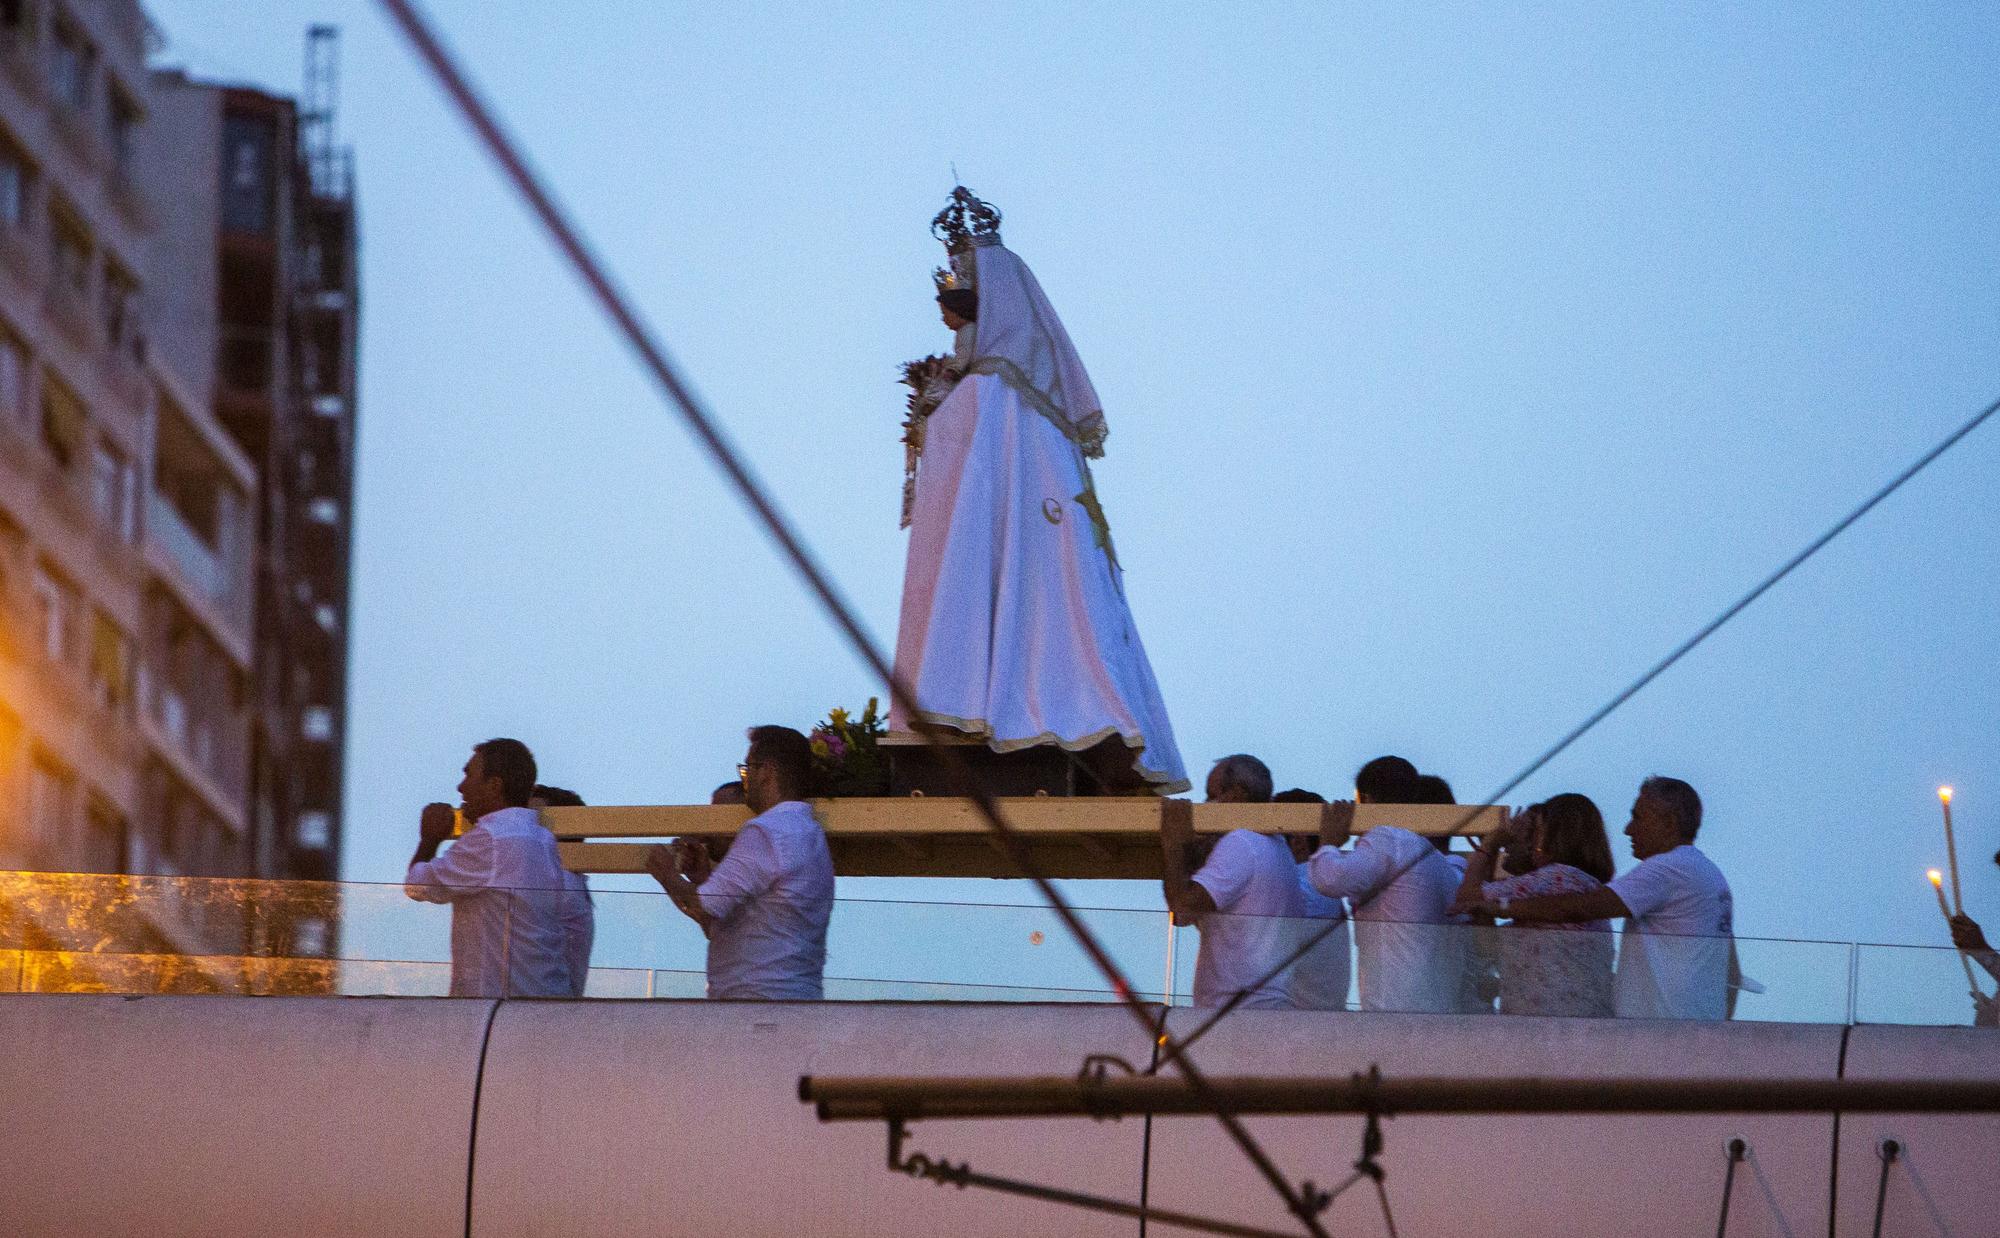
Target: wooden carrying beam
{"x":927,"y":836}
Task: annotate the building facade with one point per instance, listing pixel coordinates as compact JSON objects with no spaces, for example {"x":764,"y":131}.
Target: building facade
{"x":177,"y":299}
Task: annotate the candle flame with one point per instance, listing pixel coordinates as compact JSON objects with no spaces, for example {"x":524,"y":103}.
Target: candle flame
{"x":1937,"y":878}
{"x":1944,"y":793}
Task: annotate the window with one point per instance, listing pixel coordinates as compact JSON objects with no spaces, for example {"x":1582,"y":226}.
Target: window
{"x":122,"y":127}
{"x":121,"y":321}
{"x":70,"y":64}
{"x":13,"y":378}
{"x":106,"y":843}
{"x":114,"y":485}
{"x":11,"y":732}
{"x":316,"y":723}
{"x":309,"y":938}
{"x":62,"y":421}
{"x":13,"y":562}
{"x":247,"y":183}
{"x":110,"y":664}
{"x":72,"y":249}
{"x":315,"y":831}
{"x":17,"y":176}
{"x":189,"y":476}
{"x":49,"y":793}
{"x":55,"y":607}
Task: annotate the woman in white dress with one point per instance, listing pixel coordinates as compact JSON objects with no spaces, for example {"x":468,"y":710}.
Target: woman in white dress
{"x":1014,"y":624}
{"x":1562,"y":969}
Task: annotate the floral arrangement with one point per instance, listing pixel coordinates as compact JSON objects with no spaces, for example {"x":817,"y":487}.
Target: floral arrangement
{"x":846,"y":755}
{"x":929,"y":380}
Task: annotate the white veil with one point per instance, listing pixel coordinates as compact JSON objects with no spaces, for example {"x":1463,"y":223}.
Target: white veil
{"x":1020,"y":340}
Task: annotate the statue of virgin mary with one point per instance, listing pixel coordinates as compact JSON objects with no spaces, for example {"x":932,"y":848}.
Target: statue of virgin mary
{"x":1015,"y":629}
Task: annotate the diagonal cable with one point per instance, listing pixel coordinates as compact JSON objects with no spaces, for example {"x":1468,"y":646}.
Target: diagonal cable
{"x":1736,"y":608}
{"x":1658,"y":668}
{"x":417,"y":30}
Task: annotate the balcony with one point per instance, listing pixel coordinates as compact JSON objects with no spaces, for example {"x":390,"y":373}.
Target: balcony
{"x":20,"y":67}
{"x":73,"y":125}
{"x":207,"y":756}
{"x":126,"y":28}
{"x":190,"y":716}
{"x":132,"y":201}
{"x":244,"y":362}
{"x":124,"y":380}
{"x":217,"y":583}
{"x":22,"y":258}
{"x":70,"y":311}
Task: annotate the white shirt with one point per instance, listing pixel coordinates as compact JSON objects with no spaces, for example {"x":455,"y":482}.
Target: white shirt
{"x":505,"y":885}
{"x":1673,"y":959}
{"x":579,"y":921}
{"x":1319,"y":979}
{"x":771,"y":897}
{"x":1258,"y":911}
{"x":1411,"y":951}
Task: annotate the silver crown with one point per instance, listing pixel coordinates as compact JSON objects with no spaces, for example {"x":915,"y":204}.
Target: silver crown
{"x":965,"y":222}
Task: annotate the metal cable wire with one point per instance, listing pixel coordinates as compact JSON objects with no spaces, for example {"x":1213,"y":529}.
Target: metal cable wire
{"x":417,"y":29}
{"x":1636,"y":686}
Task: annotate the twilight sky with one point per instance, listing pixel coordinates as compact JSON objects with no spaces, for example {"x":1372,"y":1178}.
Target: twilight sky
{"x":1458,"y":362}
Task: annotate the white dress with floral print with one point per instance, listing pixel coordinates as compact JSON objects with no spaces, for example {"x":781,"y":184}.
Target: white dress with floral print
{"x":1553,"y":968}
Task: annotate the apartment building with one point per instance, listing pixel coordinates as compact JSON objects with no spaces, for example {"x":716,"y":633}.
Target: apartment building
{"x":276,"y":249}
{"x":176,"y":442}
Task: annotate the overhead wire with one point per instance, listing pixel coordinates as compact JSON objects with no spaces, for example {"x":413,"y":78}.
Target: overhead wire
{"x":444,"y":67}
{"x":417,"y":30}
{"x":1636,"y":686}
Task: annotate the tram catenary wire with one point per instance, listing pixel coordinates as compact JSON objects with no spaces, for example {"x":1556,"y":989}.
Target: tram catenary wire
{"x":417,"y":30}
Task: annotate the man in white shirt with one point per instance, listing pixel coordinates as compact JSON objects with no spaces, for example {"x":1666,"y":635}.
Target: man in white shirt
{"x":1676,"y":959}
{"x":766,"y":904}
{"x":1320,"y":977}
{"x":579,"y":912}
{"x":502,"y":879}
{"x":1245,"y":900}
{"x":1410,"y":948}
{"x":1479,"y":988}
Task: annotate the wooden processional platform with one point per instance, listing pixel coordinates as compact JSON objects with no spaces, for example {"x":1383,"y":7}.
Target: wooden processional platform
{"x":938,"y":836}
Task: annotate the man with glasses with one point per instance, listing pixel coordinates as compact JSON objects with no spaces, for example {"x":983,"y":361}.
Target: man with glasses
{"x":765,"y":905}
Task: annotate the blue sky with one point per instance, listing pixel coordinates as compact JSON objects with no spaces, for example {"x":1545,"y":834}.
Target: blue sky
{"x":1458,"y":362}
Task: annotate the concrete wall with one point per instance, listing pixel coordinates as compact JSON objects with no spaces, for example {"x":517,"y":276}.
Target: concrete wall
{"x":181,"y":163}
{"x":356,"y":1116}
{"x":223,"y":1116}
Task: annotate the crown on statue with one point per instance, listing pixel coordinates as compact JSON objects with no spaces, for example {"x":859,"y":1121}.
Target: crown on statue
{"x":966,"y":221}
{"x":945,"y":279}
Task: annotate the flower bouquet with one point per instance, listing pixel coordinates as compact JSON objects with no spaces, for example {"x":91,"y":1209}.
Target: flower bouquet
{"x":929,"y":380}
{"x":846,"y":756}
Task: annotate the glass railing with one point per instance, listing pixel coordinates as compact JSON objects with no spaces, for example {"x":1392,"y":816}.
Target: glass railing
{"x":69,"y":933}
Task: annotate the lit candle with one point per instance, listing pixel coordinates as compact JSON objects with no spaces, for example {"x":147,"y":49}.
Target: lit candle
{"x":1937,"y":886}
{"x":1951,"y":850}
